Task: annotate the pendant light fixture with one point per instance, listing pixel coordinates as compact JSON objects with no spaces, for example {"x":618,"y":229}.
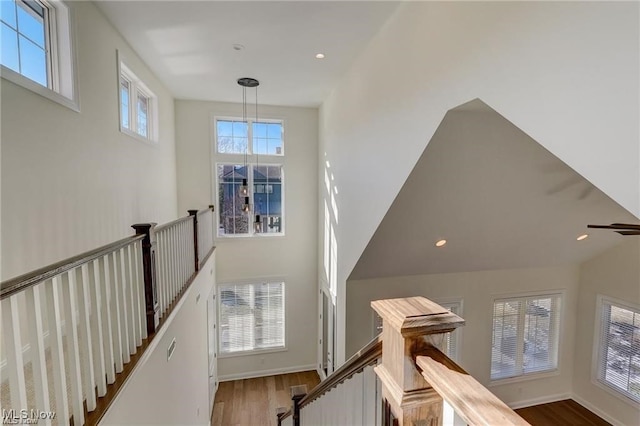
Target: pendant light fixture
{"x":244,"y":188}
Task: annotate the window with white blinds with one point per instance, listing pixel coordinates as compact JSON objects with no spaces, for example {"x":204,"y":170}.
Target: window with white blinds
{"x":619,"y":348}
{"x":251,"y":317}
{"x":525,"y":335}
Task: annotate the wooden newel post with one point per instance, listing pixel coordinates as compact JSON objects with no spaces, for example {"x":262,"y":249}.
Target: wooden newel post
{"x":406,"y":326}
{"x":149,"y":272}
{"x":194,"y":213}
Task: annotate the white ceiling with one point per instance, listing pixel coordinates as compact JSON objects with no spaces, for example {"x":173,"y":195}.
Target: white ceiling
{"x":500,"y":199}
{"x":189,"y":44}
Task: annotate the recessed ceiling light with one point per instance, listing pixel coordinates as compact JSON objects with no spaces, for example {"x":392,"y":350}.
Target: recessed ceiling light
{"x":582,"y":237}
{"x":441,"y":243}
{"x":319,"y":55}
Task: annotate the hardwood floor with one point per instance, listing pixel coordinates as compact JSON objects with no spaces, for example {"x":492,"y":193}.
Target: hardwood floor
{"x":253,"y":402}
{"x":567,"y":412}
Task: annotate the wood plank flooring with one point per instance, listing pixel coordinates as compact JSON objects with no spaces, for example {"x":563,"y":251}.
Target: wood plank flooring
{"x":566,"y":413}
{"x":253,"y":402}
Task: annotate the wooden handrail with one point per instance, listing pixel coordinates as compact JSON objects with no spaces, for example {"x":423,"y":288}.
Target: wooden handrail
{"x":172,"y":223}
{"x":474,"y":403}
{"x":22,"y":282}
{"x":366,"y":356}
{"x":203,"y":211}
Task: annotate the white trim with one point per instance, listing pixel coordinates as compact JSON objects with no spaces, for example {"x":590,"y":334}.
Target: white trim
{"x":264,"y":373}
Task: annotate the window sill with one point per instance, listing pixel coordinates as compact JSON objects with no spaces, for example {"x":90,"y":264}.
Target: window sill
{"x":137,"y":137}
{"x":22,"y":81}
{"x":249,"y":353}
{"x":224,"y":237}
{"x":525,"y":377}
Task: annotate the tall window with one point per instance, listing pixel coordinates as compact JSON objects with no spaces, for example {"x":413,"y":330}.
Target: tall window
{"x":36,"y":48}
{"x":138,"y":106}
{"x":618,"y":361}
{"x":251,"y":148}
{"x":525,"y":335}
{"x":251,"y":317}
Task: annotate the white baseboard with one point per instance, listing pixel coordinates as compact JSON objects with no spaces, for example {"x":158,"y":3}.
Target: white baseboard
{"x":263,"y":373}
{"x":596,"y":410}
{"x":540,"y":400}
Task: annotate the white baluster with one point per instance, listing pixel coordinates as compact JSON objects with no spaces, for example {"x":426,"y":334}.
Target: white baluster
{"x":86,"y":338}
{"x":105,"y":307}
{"x":122,"y":299}
{"x":68,"y":283}
{"x":38,"y":357}
{"x":163,"y":280}
{"x":97,"y":327}
{"x":13,"y":351}
{"x":140,"y":285}
{"x":54,"y":308}
{"x":135,"y":294}
{"x":114,"y":303}
{"x":130,"y":299}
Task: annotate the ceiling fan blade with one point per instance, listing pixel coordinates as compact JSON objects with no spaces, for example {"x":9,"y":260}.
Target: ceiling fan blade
{"x":626,"y":225}
{"x":628,"y":232}
{"x":622,"y":226}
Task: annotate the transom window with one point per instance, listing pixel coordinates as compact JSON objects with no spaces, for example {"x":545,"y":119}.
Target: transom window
{"x":37,"y":48}
{"x":251,"y":317}
{"x":618,"y":361}
{"x":138,"y":106}
{"x":525,"y":335}
{"x":235,"y":136}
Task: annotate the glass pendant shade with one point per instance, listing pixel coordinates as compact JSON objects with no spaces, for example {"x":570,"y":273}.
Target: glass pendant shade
{"x":244,"y":189}
{"x":246,"y":207}
{"x":257,"y":225}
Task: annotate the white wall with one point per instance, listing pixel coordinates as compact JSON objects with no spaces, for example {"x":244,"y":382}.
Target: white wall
{"x":477,"y":291}
{"x":540,"y":64}
{"x":292,"y":257}
{"x":72,"y":181}
{"x":174,"y":391}
{"x":615,"y":273}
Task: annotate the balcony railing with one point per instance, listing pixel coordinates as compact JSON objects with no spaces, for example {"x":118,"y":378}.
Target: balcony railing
{"x":72,"y":331}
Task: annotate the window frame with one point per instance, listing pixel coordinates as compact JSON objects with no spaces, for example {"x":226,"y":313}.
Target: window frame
{"x":60,"y":56}
{"x":250,"y":148}
{"x":251,"y":185}
{"x":136,"y":86}
{"x":599,"y":348}
{"x":272,"y":280}
{"x":556,"y":341}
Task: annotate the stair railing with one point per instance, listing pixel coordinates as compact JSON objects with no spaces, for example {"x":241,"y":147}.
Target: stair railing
{"x":414,"y":383}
